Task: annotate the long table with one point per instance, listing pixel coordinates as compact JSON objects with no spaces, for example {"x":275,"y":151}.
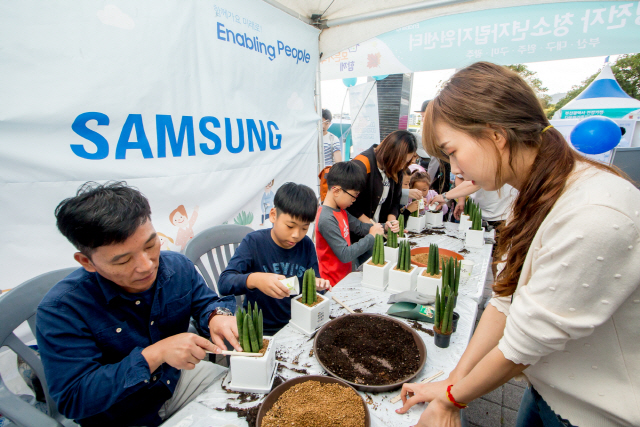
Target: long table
{"x":216,"y":406}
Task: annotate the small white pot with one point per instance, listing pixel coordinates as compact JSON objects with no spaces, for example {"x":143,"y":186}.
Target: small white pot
{"x":254,"y":374}
{"x":465,"y":223}
{"x":309,"y":319}
{"x":415,"y":224}
{"x":400,"y":281}
{"x":390,"y":254}
{"x":427,"y":285}
{"x":375,"y":277}
{"x":474,"y":238}
{"x":434,"y":219}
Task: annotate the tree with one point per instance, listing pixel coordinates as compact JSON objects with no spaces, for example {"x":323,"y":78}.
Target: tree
{"x":535,"y":83}
{"x":626,"y":71}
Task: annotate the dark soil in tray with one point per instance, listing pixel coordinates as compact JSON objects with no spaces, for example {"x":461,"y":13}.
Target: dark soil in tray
{"x":368,"y":351}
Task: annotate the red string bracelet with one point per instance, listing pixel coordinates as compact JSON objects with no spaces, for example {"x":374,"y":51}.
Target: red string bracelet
{"x":452,"y":400}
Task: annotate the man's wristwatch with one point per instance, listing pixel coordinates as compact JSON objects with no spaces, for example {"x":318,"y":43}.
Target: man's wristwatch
{"x":219,"y":311}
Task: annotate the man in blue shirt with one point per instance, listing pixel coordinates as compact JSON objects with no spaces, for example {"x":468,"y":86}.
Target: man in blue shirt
{"x":266,"y":256}
{"x":113,"y":334}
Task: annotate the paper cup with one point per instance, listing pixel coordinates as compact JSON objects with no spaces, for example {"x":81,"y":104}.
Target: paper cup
{"x":292,"y":284}
{"x":467,"y":268}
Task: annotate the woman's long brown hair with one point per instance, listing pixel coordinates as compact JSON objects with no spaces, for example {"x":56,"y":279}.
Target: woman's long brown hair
{"x":392,"y":152}
{"x":485,"y":98}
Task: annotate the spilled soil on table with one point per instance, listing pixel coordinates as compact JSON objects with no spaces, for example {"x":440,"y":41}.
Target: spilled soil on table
{"x":370,"y":351}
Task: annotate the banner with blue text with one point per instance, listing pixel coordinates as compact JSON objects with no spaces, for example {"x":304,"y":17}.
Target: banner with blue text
{"x":513,"y":35}
{"x":206,"y":106}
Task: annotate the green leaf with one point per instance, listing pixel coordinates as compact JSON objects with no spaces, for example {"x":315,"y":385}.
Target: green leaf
{"x":246,"y":343}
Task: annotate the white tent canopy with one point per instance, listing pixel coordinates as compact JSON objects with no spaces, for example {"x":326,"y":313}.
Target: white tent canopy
{"x":345,"y":23}
{"x":603,"y":97}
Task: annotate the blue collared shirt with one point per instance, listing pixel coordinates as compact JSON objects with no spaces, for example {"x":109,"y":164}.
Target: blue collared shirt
{"x":91,"y":335}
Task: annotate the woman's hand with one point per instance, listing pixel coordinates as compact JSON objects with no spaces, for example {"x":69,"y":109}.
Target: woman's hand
{"x":392,"y":225}
{"x":413,"y":206}
{"x":418,"y":393}
{"x":439,"y":200}
{"x":415,"y":194}
{"x":440,"y":414}
{"x":458,"y":211}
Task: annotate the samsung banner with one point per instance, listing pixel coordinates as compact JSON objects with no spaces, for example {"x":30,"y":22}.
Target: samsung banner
{"x":513,"y":35}
{"x":206,"y":106}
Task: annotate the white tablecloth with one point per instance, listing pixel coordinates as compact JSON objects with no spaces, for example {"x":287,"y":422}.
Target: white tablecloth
{"x":293,"y":348}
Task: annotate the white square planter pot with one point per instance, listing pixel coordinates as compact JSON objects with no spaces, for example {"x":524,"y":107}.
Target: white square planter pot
{"x":309,"y":319}
{"x":375,"y":277}
{"x":434,"y":219}
{"x":400,"y":281}
{"x":415,"y":224}
{"x":427,"y":285}
{"x":390,"y":254}
{"x":465,"y":223}
{"x":474,"y":238}
{"x":254,"y":374}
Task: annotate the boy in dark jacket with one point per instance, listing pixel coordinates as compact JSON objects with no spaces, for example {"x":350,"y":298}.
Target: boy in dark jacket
{"x":266,"y":256}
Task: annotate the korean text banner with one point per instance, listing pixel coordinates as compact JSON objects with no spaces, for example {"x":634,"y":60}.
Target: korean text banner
{"x":206,"y":106}
{"x":365,"y":129}
{"x":514,"y":35}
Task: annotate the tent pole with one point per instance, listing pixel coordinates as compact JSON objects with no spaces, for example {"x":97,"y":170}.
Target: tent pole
{"x":291,"y":12}
{"x":389,"y":12}
{"x":318,"y":93}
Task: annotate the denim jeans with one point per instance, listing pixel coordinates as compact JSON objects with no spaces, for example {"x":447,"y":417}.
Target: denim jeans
{"x":535,"y":412}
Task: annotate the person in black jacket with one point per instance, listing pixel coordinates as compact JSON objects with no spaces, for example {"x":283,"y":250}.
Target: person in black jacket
{"x":379,"y":201}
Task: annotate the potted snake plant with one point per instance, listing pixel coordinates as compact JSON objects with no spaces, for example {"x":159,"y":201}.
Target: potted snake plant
{"x":253,"y":374}
{"x":443,"y":317}
{"x":475,"y":234}
{"x":375,"y":271}
{"x":429,"y":278}
{"x":465,"y":218}
{"x":309,"y":310}
{"x":416,"y":222}
{"x":391,"y":248}
{"x":403,"y":276}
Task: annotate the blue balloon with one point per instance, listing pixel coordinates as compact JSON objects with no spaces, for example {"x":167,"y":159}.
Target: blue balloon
{"x":595,"y":135}
{"x":351,"y":81}
{"x":381,"y":77}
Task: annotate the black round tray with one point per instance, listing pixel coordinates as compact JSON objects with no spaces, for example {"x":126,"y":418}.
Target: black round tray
{"x":376,"y":388}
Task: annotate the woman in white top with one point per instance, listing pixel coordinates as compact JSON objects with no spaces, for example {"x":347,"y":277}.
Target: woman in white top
{"x":566,"y":305}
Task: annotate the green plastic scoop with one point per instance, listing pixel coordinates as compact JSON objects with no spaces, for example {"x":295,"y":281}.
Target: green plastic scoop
{"x":411,"y":310}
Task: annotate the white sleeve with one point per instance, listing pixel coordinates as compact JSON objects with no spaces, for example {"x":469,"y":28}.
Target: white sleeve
{"x":586,"y":267}
{"x":502,"y":304}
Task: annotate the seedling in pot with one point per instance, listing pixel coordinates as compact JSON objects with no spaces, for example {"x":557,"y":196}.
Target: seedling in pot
{"x":404,"y":256}
{"x":309,"y":290}
{"x":401,"y":226}
{"x":475,"y":235}
{"x":250,"y":328}
{"x":378,"y":251}
{"x":252,"y":370}
{"x":446,"y":298}
{"x":433,"y":262}
{"x":476,"y":218}
{"x":392,"y":240}
{"x":309,"y":311}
